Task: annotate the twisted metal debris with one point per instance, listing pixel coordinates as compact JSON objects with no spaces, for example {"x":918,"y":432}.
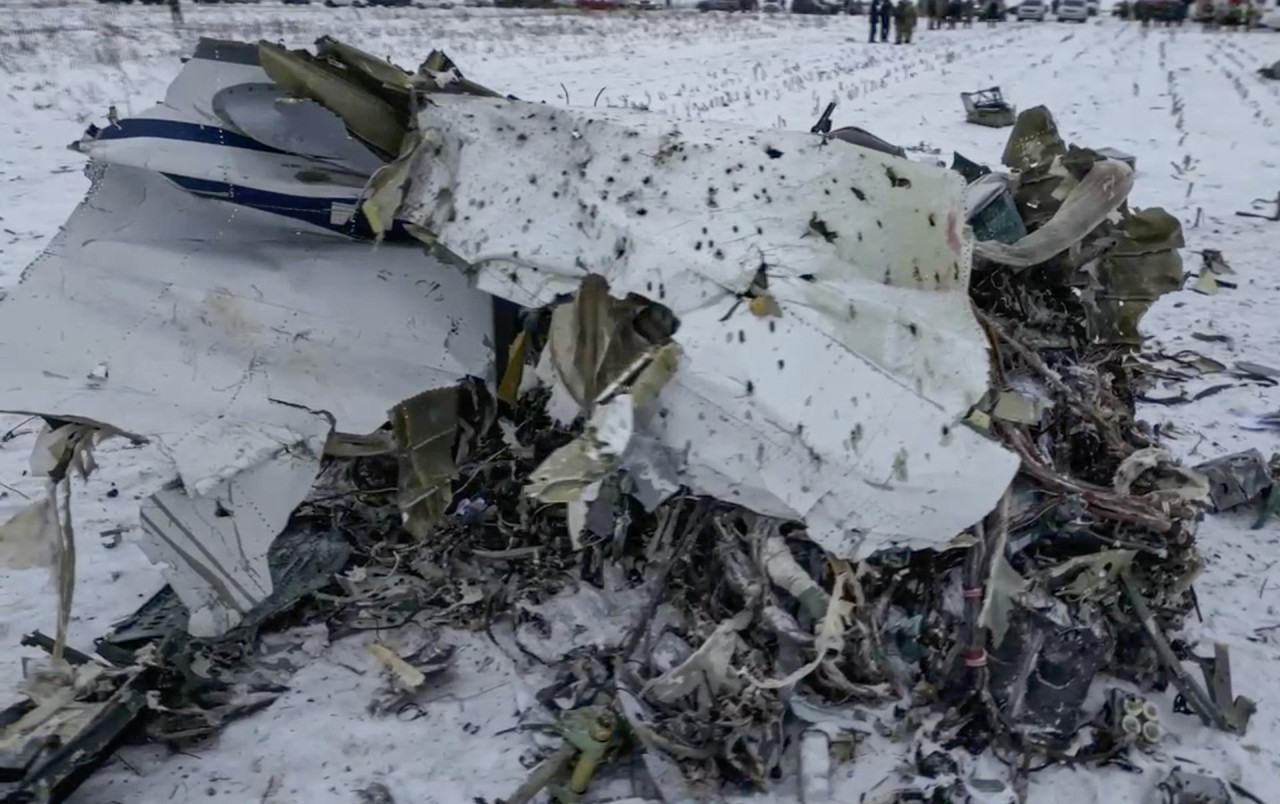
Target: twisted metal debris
{"x":573,"y":510}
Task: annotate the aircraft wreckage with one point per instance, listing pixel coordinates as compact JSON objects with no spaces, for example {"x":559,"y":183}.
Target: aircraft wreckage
{"x":658,"y":344}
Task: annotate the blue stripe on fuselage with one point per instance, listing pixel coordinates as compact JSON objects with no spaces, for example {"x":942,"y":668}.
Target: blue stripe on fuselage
{"x":185,"y":132}
{"x":315,"y":211}
{"x":304,"y":208}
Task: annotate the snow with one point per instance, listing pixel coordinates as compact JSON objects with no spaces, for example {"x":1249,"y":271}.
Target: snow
{"x":1185,"y":102}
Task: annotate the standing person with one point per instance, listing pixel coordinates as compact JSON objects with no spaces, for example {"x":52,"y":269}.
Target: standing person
{"x":874,"y":18}
{"x":886,"y":12}
{"x":175,"y":12}
{"x":993,"y":13}
{"x":904,"y":21}
{"x":968,"y":13}
{"x":953,"y":14}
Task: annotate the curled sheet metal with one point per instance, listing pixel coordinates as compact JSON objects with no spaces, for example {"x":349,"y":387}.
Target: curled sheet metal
{"x":843,"y":410}
{"x":1101,"y":192}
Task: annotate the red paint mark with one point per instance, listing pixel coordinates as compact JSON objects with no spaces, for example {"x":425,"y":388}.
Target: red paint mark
{"x":953,"y":232}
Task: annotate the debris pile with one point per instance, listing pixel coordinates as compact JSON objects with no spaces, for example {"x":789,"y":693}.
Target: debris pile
{"x":736,"y":437}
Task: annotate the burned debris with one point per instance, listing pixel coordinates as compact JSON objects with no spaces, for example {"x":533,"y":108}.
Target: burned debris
{"x":722,"y":504}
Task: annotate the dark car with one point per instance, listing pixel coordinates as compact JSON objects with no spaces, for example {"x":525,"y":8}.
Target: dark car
{"x":814,"y":7}
{"x":728,"y":5}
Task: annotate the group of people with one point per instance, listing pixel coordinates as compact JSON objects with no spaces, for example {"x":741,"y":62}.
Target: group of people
{"x":903,"y":14}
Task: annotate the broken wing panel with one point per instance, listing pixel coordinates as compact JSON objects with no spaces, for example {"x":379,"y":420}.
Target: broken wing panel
{"x":227,"y":334}
{"x":201,"y":310}
{"x":843,"y":409}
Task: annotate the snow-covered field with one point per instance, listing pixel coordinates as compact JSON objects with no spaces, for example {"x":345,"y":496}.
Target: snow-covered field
{"x":1204,"y":128}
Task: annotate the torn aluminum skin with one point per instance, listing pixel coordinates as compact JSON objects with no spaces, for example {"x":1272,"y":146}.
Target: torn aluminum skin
{"x":225,"y":131}
{"x":844,"y":409}
{"x":236,"y":326}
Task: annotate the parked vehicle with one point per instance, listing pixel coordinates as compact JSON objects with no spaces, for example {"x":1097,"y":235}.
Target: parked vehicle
{"x":1073,"y":11}
{"x":1270,"y":19}
{"x":814,"y":7}
{"x":294,"y":2}
{"x":728,"y":5}
{"x":1033,"y":10}
{"x":1093,"y":7}
{"x":773,"y":7}
{"x":1162,"y":10}
{"x":856,"y":7}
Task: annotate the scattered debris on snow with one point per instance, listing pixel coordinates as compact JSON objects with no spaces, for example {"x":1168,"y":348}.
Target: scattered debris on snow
{"x":987,"y":107}
{"x":1234,"y":480}
{"x":571,"y":399}
{"x":1273,"y":216}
